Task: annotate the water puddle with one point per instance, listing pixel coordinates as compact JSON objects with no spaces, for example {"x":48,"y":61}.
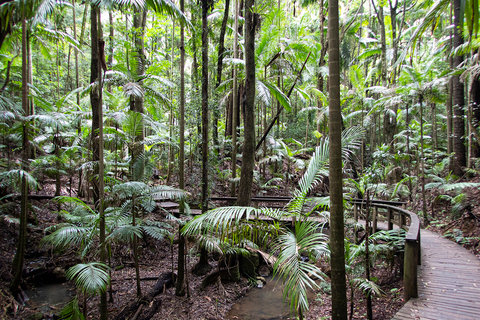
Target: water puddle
{"x":261,"y":304}
{"x":48,"y":297}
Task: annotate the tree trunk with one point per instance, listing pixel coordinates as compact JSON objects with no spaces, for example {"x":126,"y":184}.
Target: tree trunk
{"x":97,"y":136}
{"x":18,"y":260}
{"x":234,"y":107}
{"x":248,"y":154}
{"x":137,"y":102}
{"x":422,"y":162}
{"x":460,"y":160}
{"x":203,"y":265}
{"x":337,"y":259}
{"x":221,"y":53}
{"x":179,"y":287}
{"x":205,"y":7}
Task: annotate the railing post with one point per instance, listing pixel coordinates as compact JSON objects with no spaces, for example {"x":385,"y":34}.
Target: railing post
{"x":401,"y":221}
{"x":374,"y":221}
{"x":389,"y":219}
{"x":419,"y":249}
{"x":410,"y":270}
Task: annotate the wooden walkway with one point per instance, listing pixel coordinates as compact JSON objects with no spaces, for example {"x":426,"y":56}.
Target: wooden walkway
{"x":448,"y":283}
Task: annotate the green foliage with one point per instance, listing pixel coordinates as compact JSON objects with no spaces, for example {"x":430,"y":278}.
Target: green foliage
{"x":91,"y":278}
{"x":292,"y":268}
{"x":71,"y":311}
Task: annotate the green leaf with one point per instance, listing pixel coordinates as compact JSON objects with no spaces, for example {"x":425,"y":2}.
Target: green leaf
{"x":279,"y":95}
{"x":90,"y":277}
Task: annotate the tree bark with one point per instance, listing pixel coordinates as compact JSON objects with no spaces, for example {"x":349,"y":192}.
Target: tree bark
{"x":18,"y":260}
{"x":337,"y":259}
{"x":137,"y":102}
{"x":221,"y":53}
{"x":460,"y":160}
{"x":234,"y":108}
{"x":248,"y":154}
{"x":179,"y":287}
{"x":97,"y":136}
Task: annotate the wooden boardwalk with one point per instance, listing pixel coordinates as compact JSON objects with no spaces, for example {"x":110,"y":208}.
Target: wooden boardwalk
{"x":448,"y":283}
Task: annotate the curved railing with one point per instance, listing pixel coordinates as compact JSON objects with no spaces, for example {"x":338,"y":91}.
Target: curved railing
{"x":393,"y":214}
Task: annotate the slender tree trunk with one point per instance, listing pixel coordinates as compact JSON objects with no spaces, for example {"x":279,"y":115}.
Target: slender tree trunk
{"x":337,"y":259}
{"x":97,"y":136}
{"x":18,"y":260}
{"x":203,"y":262}
{"x":449,"y":102}
{"x":383,"y":42}
{"x":221,"y":53}
{"x":460,"y":160}
{"x":234,"y":107}
{"x":180,"y":287}
{"x":137,"y":102}
{"x":248,"y":154}
{"x":110,"y":40}
{"x":422,"y":162}
{"x":135,"y":251}
{"x":205,"y":8}
{"x":367,"y":258}
{"x":171,"y":153}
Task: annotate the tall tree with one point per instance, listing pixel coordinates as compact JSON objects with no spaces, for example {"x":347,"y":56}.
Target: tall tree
{"x":18,"y":260}
{"x":97,"y":61}
{"x":234,"y":106}
{"x":203,"y":265}
{"x":221,"y":53}
{"x":179,"y":287}
{"x":458,"y":100}
{"x":337,"y":259}
{"x":248,"y":154}
{"x":137,"y":100}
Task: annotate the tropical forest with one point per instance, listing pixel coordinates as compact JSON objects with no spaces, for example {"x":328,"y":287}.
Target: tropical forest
{"x":239,"y":159}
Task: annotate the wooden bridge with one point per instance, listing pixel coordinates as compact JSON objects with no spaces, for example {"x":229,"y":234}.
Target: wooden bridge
{"x":441,"y":278}
{"x":446,"y":283}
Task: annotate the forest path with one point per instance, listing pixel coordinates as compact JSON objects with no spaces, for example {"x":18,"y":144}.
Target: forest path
{"x":448,"y":282}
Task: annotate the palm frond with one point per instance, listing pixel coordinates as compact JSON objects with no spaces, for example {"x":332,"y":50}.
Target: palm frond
{"x":125,"y":233}
{"x":89,"y":277}
{"x":167,"y":192}
{"x":279,"y":95}
{"x":218,"y":219}
{"x":13,"y":178}
{"x":369,"y":287}
{"x":290,"y":266}
{"x":67,"y":236}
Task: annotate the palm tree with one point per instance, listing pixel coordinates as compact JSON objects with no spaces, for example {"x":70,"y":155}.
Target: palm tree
{"x":339,"y":294}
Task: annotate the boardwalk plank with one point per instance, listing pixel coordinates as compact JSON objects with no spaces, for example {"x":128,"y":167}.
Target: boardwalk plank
{"x":448,"y":283}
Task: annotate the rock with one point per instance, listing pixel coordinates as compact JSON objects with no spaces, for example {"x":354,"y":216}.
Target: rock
{"x":259,"y":284}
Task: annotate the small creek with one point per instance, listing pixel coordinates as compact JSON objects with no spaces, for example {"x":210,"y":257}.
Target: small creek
{"x":261,"y":304}
{"x":48,"y":297}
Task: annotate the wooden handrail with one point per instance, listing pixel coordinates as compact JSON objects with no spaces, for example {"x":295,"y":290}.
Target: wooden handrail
{"x":412,"y":256}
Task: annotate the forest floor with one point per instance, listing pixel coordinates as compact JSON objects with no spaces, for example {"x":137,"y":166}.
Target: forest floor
{"x":215,"y":300}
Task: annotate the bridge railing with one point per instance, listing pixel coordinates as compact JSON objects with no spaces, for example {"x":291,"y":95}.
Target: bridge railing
{"x":392,"y":214}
